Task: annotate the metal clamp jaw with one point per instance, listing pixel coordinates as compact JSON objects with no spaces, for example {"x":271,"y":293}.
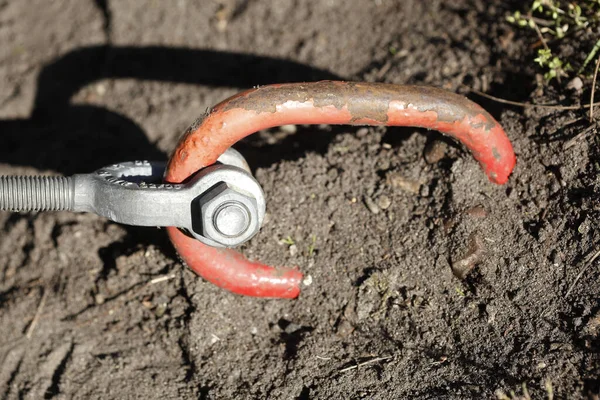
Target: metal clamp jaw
{"x":222,"y":205}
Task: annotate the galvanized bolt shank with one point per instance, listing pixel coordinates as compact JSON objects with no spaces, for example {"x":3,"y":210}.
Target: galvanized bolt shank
{"x":36,"y":193}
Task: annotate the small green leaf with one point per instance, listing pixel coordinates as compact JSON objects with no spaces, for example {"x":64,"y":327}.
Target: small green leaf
{"x":543,"y":57}
{"x":288,"y":240}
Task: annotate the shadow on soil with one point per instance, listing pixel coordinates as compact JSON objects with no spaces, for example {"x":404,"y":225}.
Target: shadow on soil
{"x":72,"y":138}
{"x":75,"y":138}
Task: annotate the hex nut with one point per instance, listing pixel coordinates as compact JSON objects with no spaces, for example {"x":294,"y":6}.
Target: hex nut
{"x":227,"y":216}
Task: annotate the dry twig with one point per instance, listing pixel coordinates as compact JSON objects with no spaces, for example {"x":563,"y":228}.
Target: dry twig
{"x":37,"y":315}
{"x":538,"y":31}
{"x":161,"y":279}
{"x":571,"y":142}
{"x":580,"y":274}
{"x":371,"y":361}
{"x":530,"y":105}
{"x":593,"y":90}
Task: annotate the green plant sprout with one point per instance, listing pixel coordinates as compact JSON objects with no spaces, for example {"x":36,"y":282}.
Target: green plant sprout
{"x":288,"y":240}
{"x":311,"y":246}
{"x":553,"y":20}
{"x":554,"y":65}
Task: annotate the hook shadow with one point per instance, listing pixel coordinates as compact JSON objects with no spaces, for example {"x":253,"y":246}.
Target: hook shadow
{"x":71,"y":138}
{"x":76,"y":138}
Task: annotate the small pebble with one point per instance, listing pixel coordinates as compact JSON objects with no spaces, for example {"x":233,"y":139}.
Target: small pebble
{"x":292,"y":327}
{"x":362,"y":132}
{"x":434,"y":151}
{"x":99,"y":298}
{"x":160,"y":309}
{"x":147,"y":304}
{"x":555,"y":346}
{"x":293,"y":250}
{"x":593,"y":325}
{"x":462,"y":267}
{"x":344,"y":328}
{"x":424,"y":191}
{"x":384,"y":202}
{"x":162,"y":304}
{"x":477,"y":211}
{"x":391,"y":216}
{"x":584,"y":227}
{"x":371,"y":205}
{"x":397,"y":181}
{"x":575,"y":84}
{"x":101,"y":89}
{"x":541,"y":365}
{"x":555,"y":258}
{"x":291,"y":129}
{"x":491,"y":314}
{"x":266,"y":218}
{"x":308,"y":280}
{"x":332,"y":174}
{"x":223,"y":15}
{"x":555,"y":186}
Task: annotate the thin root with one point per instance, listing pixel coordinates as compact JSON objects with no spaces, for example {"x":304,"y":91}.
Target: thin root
{"x":530,"y":105}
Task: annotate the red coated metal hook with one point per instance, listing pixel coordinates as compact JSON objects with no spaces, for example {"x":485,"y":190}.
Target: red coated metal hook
{"x":327,"y":102}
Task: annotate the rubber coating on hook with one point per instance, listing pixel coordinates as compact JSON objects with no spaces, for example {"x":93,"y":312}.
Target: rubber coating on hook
{"x":327,"y":102}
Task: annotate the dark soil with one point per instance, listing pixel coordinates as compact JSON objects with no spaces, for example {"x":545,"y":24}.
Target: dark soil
{"x":89,"y":83}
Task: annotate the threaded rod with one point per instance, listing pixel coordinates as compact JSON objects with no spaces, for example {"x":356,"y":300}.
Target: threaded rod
{"x":36,"y":193}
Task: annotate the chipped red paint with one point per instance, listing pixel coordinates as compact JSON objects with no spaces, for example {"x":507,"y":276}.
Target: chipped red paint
{"x":232,"y":271}
{"x":320,"y":103}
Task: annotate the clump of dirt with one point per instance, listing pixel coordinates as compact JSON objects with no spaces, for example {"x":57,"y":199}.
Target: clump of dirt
{"x":424,"y":280}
